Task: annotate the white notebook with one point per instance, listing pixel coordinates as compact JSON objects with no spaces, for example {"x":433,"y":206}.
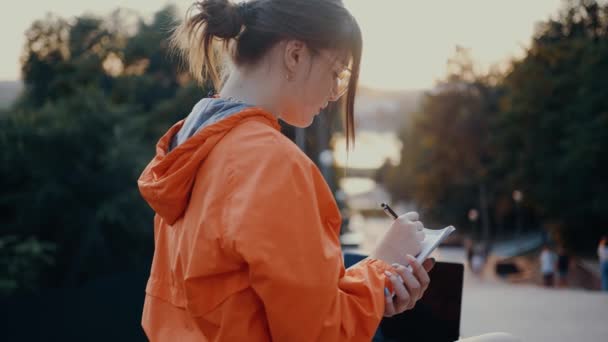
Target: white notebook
{"x":432,"y":239}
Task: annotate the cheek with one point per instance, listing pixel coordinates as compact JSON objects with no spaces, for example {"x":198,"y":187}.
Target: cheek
{"x":311,"y":94}
{"x":319,"y":89}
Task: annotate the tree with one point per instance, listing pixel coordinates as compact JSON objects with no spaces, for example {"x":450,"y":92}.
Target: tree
{"x":97,"y":97}
{"x":555,"y":115}
{"x":446,"y":154}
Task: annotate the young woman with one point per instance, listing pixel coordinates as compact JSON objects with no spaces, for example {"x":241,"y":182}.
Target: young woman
{"x":246,"y":229}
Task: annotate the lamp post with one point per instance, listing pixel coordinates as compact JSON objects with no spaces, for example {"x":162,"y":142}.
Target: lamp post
{"x":518,"y":196}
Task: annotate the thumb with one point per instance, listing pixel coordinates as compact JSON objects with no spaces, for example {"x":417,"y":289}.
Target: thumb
{"x":428,"y":264}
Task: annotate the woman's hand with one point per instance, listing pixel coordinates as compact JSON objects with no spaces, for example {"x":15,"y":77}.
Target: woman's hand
{"x":409,"y":286}
{"x":402,"y":238}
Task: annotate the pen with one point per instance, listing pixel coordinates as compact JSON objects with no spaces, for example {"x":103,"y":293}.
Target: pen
{"x":389,"y":211}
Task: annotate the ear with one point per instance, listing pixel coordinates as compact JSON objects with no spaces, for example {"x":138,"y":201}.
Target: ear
{"x":293,"y":55}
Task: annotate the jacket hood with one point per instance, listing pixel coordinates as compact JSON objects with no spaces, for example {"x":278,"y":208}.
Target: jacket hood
{"x":166,"y":183}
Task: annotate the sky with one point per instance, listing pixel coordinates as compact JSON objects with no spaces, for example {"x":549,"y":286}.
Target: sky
{"x":405,"y":43}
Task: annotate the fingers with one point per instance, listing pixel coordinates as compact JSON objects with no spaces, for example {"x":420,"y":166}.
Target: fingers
{"x":411,"y":283}
{"x":411,"y":216}
{"x":402,"y":297}
{"x":389,"y":305}
{"x":419,"y":272}
{"x":411,"y":219}
{"x":420,"y":236}
{"x":428,"y":264}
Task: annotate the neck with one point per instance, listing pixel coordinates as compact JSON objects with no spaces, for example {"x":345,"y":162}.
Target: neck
{"x":253,"y":88}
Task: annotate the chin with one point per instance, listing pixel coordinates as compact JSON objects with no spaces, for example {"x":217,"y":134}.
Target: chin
{"x":301,"y":124}
{"x":298,"y":121}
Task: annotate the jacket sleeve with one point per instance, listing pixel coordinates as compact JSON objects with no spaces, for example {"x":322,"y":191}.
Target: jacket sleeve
{"x":294,"y":256}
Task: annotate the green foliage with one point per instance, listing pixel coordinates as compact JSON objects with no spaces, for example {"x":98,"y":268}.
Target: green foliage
{"x":446,"y":155}
{"x":70,"y":169}
{"x":22,"y":262}
{"x":555,"y":112}
{"x":97,"y":97}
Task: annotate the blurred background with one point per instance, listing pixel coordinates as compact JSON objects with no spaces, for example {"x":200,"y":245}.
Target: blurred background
{"x":491,"y":116}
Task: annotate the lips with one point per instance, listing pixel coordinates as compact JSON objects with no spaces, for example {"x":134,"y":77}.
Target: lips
{"x":324,"y":106}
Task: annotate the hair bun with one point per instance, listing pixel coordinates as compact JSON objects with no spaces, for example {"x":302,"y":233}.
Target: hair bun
{"x":224,"y":19}
{"x":244,"y":9}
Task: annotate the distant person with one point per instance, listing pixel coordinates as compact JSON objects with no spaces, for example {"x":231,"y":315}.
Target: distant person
{"x":547,"y":266}
{"x":478,"y":260}
{"x":602,"y":253}
{"x":563,"y":266}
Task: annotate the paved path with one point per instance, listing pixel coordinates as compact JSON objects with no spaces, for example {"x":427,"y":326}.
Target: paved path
{"x":531,"y":312}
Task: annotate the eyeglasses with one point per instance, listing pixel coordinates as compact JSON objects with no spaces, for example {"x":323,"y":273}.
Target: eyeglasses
{"x":341,"y":78}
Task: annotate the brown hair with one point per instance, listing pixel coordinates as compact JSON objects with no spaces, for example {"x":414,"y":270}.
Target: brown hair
{"x":249,"y":29}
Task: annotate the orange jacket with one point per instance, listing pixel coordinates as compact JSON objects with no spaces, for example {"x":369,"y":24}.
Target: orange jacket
{"x":247,"y":242}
